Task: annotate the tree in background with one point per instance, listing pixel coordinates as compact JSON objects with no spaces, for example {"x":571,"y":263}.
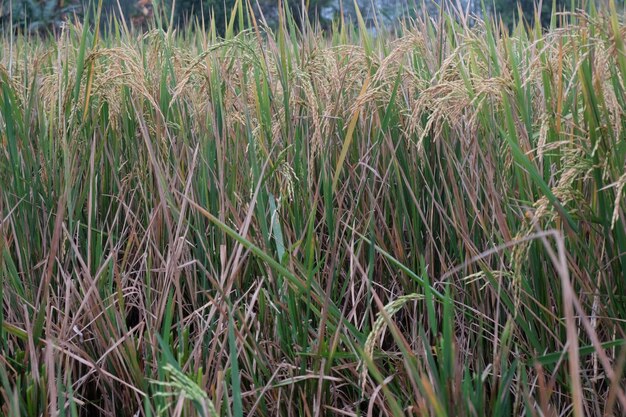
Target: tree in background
{"x":509,"y":10}
{"x":143,"y":14}
{"x":189,"y":10}
{"x":37,"y":16}
{"x":111,"y":8}
{"x":45,"y":15}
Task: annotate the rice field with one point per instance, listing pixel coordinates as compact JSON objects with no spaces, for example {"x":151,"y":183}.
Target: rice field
{"x":424,"y":221}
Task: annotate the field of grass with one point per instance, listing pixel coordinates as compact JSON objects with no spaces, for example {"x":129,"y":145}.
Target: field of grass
{"x":288,"y":222}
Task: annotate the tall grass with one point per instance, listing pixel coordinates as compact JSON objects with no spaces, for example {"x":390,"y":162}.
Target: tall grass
{"x":289,"y":222}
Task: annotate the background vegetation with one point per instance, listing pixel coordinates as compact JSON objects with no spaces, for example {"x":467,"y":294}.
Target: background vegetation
{"x":186,"y":12}
{"x":429,"y":221}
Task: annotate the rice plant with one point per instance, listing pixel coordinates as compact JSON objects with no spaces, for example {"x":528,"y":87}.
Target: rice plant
{"x":290,"y":221}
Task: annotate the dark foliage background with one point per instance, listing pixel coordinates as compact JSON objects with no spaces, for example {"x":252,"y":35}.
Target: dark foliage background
{"x":41,"y":15}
